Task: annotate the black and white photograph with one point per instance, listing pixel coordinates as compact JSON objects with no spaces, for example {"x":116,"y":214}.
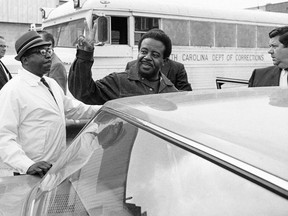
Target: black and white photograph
{"x":143,"y":108}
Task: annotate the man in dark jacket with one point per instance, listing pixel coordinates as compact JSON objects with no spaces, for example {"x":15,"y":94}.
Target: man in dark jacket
{"x":5,"y":75}
{"x":274,"y":75}
{"x":174,"y":71}
{"x":153,"y":48}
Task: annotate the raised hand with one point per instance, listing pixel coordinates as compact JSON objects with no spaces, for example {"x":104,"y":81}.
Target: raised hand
{"x":39,"y":168}
{"x":86,"y":42}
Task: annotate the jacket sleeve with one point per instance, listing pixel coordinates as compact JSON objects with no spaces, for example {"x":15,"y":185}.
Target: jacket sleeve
{"x":182,"y":83}
{"x":80,"y":82}
{"x":84,"y":88}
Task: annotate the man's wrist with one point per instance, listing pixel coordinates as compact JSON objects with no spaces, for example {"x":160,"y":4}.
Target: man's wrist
{"x":85,"y":48}
{"x":84,"y":55}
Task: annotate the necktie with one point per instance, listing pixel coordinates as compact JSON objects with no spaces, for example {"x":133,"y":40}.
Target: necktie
{"x":47,"y":85}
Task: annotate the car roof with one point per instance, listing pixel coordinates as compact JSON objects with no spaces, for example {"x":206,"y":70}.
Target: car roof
{"x":248,"y":124}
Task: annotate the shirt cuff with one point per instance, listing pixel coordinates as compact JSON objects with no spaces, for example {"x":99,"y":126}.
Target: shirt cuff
{"x":24,"y":166}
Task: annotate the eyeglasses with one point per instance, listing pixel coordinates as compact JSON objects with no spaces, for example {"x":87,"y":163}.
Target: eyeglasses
{"x":3,"y":46}
{"x":43,"y":52}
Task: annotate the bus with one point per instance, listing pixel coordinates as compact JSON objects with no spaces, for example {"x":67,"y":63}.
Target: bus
{"x":210,"y":42}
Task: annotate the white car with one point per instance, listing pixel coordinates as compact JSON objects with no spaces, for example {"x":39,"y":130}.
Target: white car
{"x":221,"y":152}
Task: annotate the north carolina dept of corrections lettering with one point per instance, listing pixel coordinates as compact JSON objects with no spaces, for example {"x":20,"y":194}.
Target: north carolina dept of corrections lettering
{"x":192,"y":57}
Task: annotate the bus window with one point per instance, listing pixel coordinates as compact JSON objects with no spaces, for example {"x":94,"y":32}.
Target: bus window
{"x":246,"y":36}
{"x":67,"y":33}
{"x":177,"y":31}
{"x":225,"y":35}
{"x":119,"y":30}
{"x":144,"y":24}
{"x":262,"y":36}
{"x":202,"y":33}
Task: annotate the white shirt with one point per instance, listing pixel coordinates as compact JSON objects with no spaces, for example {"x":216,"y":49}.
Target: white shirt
{"x":32,"y":126}
{"x":283,"y":79}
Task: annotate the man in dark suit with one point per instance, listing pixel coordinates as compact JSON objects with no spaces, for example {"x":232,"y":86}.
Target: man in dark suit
{"x":173,"y":70}
{"x":274,"y":75}
{"x":5,"y":75}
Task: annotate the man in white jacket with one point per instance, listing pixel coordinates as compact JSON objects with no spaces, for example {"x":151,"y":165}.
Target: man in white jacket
{"x":33,"y":111}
